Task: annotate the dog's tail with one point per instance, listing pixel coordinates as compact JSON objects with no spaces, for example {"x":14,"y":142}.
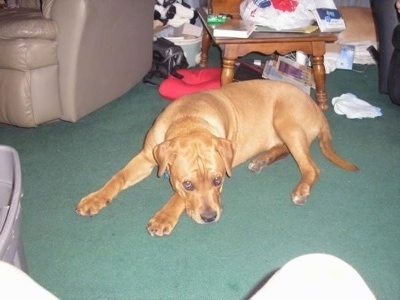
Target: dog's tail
{"x":325,"y":143}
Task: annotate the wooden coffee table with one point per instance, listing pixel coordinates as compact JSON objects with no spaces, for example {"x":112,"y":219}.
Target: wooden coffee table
{"x":268,"y":43}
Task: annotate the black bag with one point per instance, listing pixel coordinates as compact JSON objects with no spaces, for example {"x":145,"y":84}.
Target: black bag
{"x":394,"y":68}
{"x":167,"y":59}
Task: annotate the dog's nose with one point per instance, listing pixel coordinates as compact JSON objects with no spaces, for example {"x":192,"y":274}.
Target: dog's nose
{"x":209,"y":216}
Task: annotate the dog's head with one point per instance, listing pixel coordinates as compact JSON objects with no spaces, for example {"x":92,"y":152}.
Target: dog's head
{"x":197,"y":167}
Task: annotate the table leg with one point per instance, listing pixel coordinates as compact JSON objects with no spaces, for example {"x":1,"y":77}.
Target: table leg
{"x":205,"y":48}
{"x":319,"y":77}
{"x":228,"y":70}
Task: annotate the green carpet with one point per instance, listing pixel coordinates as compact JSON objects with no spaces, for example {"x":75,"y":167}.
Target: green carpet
{"x":355,"y":216}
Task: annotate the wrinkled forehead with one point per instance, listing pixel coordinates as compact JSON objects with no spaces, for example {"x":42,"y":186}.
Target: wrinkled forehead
{"x":199,"y":158}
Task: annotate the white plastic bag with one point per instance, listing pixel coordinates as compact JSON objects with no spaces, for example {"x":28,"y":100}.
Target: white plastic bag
{"x":302,"y":16}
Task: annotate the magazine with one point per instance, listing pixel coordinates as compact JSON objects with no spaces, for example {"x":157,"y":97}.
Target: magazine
{"x":286,"y":69}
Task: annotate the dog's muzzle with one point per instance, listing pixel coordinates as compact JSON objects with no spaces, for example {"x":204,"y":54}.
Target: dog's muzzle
{"x":209,"y":216}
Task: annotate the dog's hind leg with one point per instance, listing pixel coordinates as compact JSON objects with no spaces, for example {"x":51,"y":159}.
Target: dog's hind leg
{"x":136,"y":170}
{"x":265,"y":159}
{"x":296,"y":140}
{"x":309,"y":175}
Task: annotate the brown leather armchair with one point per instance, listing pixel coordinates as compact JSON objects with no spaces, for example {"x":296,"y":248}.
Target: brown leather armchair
{"x":72,"y":58}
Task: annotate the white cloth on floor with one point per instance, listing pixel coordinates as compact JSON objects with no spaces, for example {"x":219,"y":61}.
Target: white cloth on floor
{"x":315,"y":276}
{"x":15,"y":284}
{"x":354,"y":108}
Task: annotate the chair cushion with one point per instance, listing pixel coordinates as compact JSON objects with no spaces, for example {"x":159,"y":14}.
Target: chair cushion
{"x":194,"y":80}
{"x":26,"y":23}
{"x":27,"y":54}
{"x":360,"y":25}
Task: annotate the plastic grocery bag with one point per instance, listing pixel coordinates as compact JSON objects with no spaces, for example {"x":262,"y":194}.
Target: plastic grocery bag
{"x":278,"y":14}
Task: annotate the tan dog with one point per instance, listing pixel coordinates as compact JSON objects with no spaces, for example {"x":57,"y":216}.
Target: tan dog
{"x":201,"y":137}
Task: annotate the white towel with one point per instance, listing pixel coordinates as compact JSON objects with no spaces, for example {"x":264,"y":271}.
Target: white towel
{"x":354,"y":108}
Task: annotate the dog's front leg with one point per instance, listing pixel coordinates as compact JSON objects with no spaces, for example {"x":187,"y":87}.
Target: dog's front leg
{"x":164,"y":221}
{"x":137,"y":169}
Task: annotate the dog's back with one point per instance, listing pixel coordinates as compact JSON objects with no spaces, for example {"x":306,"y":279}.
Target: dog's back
{"x":255,"y":108}
{"x":250,"y":111}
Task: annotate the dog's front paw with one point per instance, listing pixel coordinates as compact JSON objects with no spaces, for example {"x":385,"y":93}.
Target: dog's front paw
{"x":300,"y":194}
{"x":91,"y":205}
{"x":161,"y":224}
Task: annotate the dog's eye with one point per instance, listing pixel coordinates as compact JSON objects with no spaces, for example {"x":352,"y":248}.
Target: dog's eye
{"x":217,"y":181}
{"x":188,"y":185}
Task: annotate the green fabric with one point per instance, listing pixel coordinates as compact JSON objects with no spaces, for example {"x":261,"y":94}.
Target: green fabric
{"x":355,"y":216}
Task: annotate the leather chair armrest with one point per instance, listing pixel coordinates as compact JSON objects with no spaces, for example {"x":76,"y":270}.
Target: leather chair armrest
{"x":103,"y":48}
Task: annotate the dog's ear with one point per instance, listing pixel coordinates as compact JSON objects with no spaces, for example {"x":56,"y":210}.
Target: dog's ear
{"x":226,"y":150}
{"x":164,"y":155}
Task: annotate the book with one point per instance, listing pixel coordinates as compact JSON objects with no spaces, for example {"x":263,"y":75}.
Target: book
{"x":328,"y":16}
{"x":235,"y":28}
